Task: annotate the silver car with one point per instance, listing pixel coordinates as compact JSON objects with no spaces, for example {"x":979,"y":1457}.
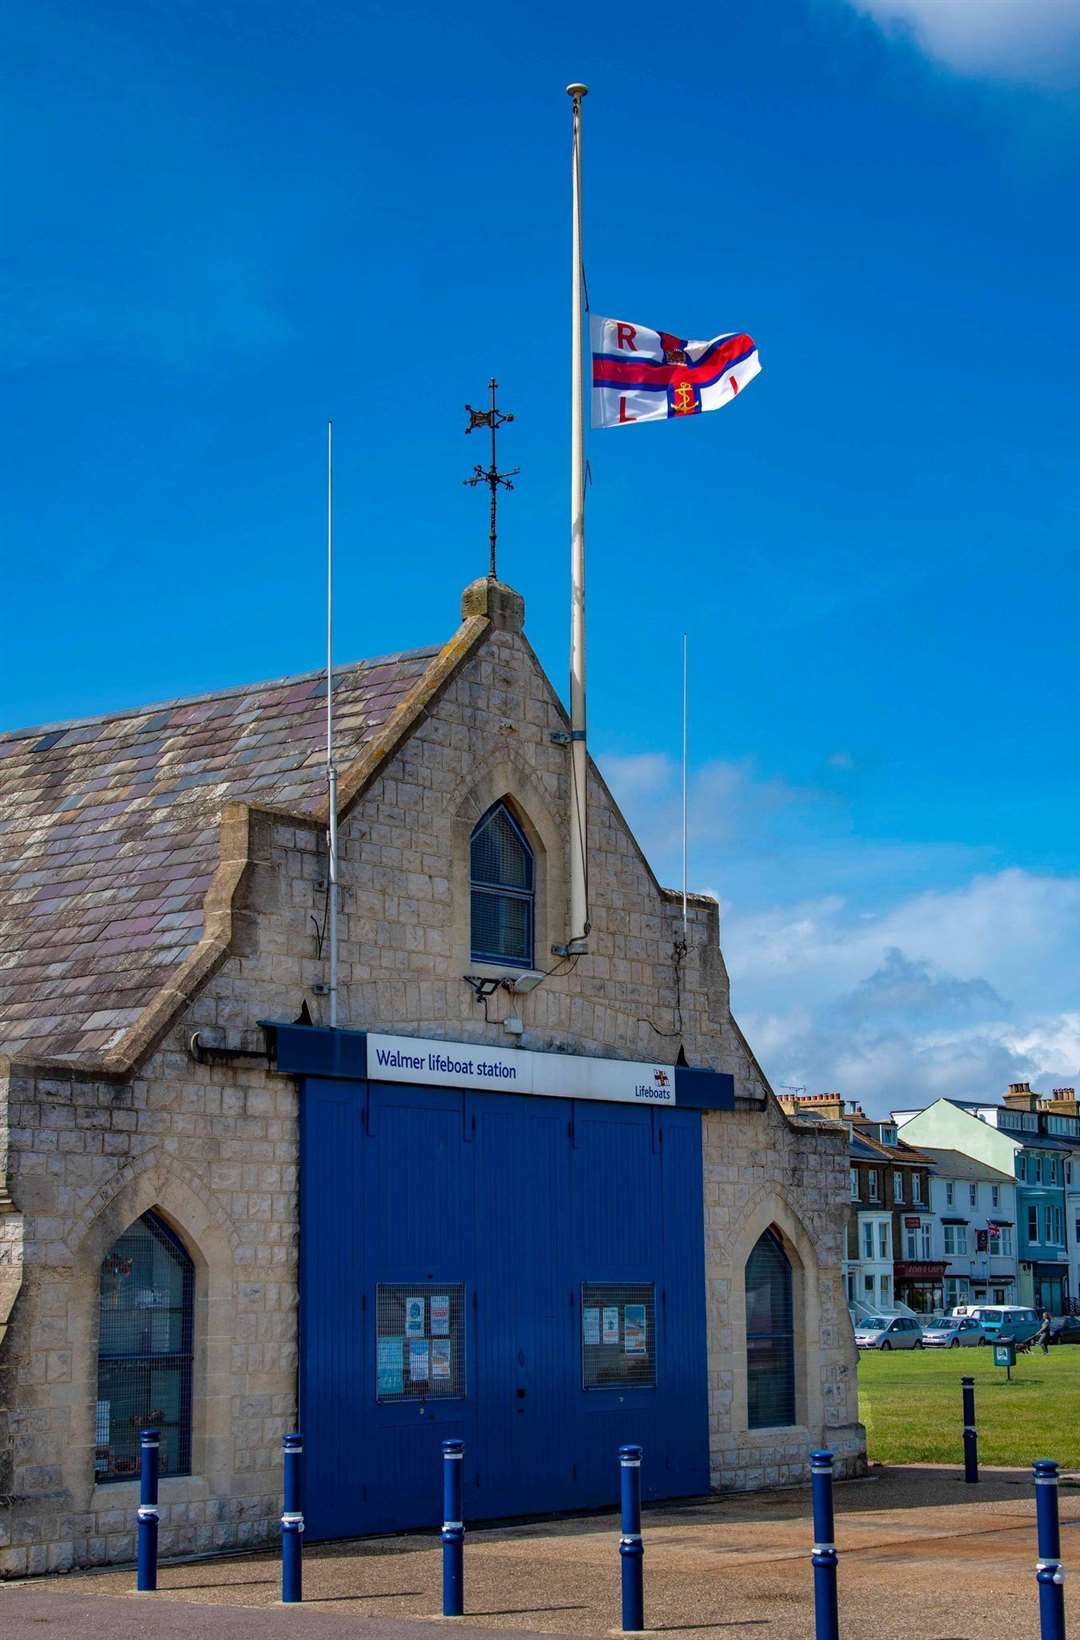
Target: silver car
{"x":889,"y":1332}
{"x":949,"y":1332}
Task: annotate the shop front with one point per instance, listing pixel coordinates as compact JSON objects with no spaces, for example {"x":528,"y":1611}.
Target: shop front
{"x":1051,"y":1286}
{"x":920,"y":1284}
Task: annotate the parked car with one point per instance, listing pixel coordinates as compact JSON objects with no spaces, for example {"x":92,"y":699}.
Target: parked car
{"x":1007,"y":1321}
{"x":949,"y":1332}
{"x":889,"y":1332}
{"x":1065,"y":1329}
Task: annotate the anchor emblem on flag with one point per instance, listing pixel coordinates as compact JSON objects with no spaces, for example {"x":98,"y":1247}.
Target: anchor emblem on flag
{"x":683,"y":401}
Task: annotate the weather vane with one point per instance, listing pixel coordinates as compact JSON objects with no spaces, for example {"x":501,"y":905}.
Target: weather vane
{"x":493,"y":418}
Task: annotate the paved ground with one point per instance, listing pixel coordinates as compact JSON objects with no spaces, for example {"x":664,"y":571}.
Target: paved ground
{"x":922,"y":1557}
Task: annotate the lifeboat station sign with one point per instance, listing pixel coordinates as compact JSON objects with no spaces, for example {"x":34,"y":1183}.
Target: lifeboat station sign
{"x":516,"y":1070}
{"x":371,"y":1056}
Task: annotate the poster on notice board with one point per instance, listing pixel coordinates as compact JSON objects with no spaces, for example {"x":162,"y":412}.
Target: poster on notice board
{"x":590,"y":1321}
{"x":391,"y":1366}
{"x":418,"y":1359}
{"x":611,"y":1323}
{"x":634,"y":1340}
{"x":440,"y":1315}
{"x":440,"y":1358}
{"x":414,"y":1318}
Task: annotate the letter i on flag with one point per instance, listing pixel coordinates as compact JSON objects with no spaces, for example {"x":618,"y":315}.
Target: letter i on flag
{"x":651,"y":375}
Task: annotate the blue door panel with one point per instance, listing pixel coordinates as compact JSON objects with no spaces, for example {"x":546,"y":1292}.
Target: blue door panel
{"x":520,"y":1200}
{"x":616,"y":1229}
{"x":417,"y":1187}
{"x":332,"y":1252}
{"x":682,"y":1315}
{"x":523,"y":1190}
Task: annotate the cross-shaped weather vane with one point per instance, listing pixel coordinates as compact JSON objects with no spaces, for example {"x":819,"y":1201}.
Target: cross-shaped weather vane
{"x":493,"y":418}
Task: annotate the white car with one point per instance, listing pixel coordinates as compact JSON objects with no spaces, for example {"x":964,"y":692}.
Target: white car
{"x":949,"y":1332}
{"x":889,"y":1332}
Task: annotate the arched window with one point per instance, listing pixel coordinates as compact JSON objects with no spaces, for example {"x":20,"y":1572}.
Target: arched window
{"x":144,"y":1351}
{"x":770,"y":1341}
{"x":502,"y":877}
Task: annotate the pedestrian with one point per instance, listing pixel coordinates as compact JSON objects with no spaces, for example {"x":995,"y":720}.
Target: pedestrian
{"x":1042,"y":1337}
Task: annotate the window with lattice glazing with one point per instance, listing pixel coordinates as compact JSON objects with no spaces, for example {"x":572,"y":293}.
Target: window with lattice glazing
{"x":770,"y":1336}
{"x":502,"y":880}
{"x":144,"y":1351}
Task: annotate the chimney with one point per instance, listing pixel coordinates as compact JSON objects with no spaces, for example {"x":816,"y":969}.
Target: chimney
{"x":1062,"y":1102}
{"x":817,"y":1104}
{"x":1019,"y":1096}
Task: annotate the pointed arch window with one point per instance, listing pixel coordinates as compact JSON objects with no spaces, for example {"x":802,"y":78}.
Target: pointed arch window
{"x":770,"y":1336}
{"x":502,"y":880}
{"x":146,"y":1304}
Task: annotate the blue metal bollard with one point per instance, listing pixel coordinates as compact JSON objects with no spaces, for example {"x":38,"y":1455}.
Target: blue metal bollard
{"x":292,"y":1522}
{"x":1048,"y":1570}
{"x":823,"y":1555}
{"x":631,"y":1551}
{"x":971,"y":1434}
{"x":149,"y":1450}
{"x":453,"y":1531}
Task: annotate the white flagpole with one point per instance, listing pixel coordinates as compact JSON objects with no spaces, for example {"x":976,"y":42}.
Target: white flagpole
{"x":331,"y":771}
{"x":684,"y":766}
{"x":579,"y":904}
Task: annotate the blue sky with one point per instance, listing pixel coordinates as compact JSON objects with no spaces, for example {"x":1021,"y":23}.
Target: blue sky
{"x":227,"y":222}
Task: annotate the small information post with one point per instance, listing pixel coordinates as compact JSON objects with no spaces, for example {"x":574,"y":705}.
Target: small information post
{"x":1005,"y":1356}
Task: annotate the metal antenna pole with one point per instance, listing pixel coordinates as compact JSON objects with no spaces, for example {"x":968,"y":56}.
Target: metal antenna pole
{"x":494,"y":488}
{"x":331,"y":772}
{"x":684,"y":769}
{"x":579,"y":759}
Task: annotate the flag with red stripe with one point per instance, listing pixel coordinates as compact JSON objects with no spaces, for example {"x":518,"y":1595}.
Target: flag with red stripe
{"x":652,"y":375}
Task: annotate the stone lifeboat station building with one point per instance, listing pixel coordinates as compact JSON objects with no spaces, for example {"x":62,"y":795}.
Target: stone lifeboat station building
{"x":544,"y":1204}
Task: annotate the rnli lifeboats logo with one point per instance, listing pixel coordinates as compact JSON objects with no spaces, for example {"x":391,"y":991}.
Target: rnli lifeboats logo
{"x":659,"y":1089}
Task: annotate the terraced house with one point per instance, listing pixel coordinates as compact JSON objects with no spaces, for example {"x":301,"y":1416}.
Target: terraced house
{"x":891,"y":1254}
{"x":1037,"y":1141}
{"x":530,"y":1195}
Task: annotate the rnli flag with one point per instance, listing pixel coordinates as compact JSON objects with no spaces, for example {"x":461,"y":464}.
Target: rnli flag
{"x":651,"y":375}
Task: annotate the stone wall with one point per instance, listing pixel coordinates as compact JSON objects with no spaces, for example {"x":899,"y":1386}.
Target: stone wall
{"x":217,"y":1159}
{"x":213,"y":1149}
{"x":761,"y":1174}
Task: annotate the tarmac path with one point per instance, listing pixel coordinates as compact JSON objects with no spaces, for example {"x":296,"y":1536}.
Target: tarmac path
{"x":922,"y":1557}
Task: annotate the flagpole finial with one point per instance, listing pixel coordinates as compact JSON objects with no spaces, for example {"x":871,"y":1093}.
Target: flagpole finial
{"x":577,"y":91}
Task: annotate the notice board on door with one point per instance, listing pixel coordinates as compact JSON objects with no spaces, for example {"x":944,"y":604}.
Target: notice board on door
{"x":618,"y":1334}
{"x":419,"y":1341}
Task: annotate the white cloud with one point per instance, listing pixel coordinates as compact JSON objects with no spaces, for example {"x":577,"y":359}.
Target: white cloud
{"x":954,"y":991}
{"x":1009,"y":39}
{"x":877,"y":985}
{"x":1012,"y":927}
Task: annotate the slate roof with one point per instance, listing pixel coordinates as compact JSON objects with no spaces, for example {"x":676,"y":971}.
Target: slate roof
{"x":860,"y":1150}
{"x":953,"y":1164}
{"x":862,"y":1146}
{"x":109,"y":834}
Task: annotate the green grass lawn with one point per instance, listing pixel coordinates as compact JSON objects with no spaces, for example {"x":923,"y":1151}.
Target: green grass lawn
{"x":910,"y":1402}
